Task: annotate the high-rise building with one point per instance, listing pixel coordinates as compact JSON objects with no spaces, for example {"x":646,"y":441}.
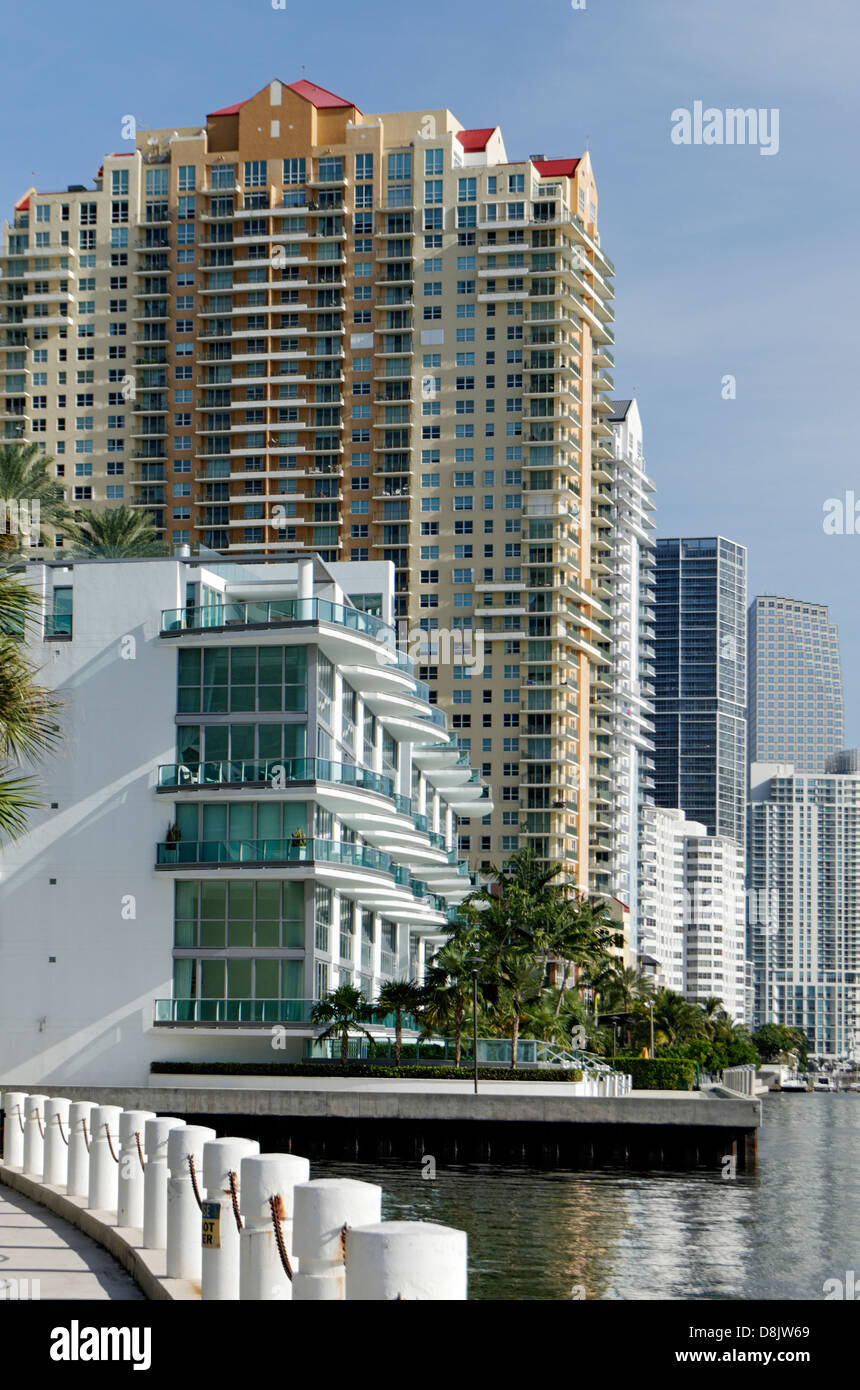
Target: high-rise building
{"x":622,"y":691}
{"x":254,"y":802}
{"x":804,"y":900}
{"x":375,"y":337}
{"x":694,"y":924}
{"x":700,"y":683}
{"x":795,"y":683}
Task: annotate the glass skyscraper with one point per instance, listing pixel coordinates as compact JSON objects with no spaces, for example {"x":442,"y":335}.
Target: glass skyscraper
{"x":700,"y":682}
{"x":795,"y":684}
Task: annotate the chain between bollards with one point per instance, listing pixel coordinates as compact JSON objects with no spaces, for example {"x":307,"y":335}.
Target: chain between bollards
{"x":139,"y":1150}
{"x":114,"y":1156}
{"x":235,"y":1195}
{"x":87,"y":1140}
{"x":194,"y":1181}
{"x":39,"y":1122}
{"x":60,"y":1127}
{"x":276,"y":1205}
{"x":20,"y":1121}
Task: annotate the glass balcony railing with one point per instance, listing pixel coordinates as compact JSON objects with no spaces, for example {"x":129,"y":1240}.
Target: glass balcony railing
{"x":272,"y":852}
{"x":233,"y":1010}
{"x":278,"y":772}
{"x":261,"y":613}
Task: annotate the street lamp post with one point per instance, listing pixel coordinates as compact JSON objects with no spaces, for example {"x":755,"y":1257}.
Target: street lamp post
{"x":475,"y":1025}
{"x":651,"y":1007}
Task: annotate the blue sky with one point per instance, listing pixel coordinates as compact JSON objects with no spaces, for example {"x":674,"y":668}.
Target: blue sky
{"x":728,"y":261}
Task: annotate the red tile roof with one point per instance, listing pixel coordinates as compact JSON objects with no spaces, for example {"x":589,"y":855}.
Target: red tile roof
{"x":318,"y":95}
{"x":555,"y":167}
{"x":226,"y":110}
{"x":475,"y":140}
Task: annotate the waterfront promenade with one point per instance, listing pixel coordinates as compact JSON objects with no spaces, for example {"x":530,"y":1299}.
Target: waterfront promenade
{"x":36,"y":1245}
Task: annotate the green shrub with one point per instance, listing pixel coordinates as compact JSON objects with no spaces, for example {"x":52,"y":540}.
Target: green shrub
{"x":659,"y":1073}
{"x":359,"y":1069}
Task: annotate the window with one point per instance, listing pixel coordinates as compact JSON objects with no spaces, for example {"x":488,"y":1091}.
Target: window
{"x":433,"y":161}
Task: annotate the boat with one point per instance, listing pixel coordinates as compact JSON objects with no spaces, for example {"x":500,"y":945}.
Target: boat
{"x":794,"y":1083}
{"x":823,"y":1083}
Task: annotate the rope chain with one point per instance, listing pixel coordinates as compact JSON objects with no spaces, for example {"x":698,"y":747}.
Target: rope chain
{"x":194,"y":1181}
{"x":39,"y":1122}
{"x":87,"y":1140}
{"x":60,"y":1127}
{"x":231,"y":1177}
{"x":139,"y":1149}
{"x":110,"y":1145}
{"x":20,"y":1121}
{"x":276,"y":1205}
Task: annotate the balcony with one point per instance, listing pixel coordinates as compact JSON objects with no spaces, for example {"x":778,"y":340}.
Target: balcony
{"x":275,"y":772}
{"x":270,"y":613}
{"x":235,"y":1011}
{"x":267,"y":852}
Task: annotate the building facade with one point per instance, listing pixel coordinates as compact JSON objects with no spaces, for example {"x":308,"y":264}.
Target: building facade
{"x":254,"y":801}
{"x":622,"y":711}
{"x":693,"y":912}
{"x":796,"y":712}
{"x":804,"y":917}
{"x":374,"y":337}
{"x":700,"y":682}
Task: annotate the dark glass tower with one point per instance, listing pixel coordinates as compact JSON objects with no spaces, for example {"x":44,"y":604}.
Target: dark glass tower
{"x":700,"y":684}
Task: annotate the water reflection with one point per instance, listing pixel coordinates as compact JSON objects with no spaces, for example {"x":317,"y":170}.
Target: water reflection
{"x":617,"y":1234}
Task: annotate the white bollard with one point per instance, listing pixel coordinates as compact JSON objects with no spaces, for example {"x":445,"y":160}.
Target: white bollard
{"x":155,"y":1136}
{"x":262,"y":1278}
{"x":321,"y":1210}
{"x":34,"y":1140}
{"x":104,"y":1168}
{"x":183,"y":1214}
{"x":56,"y":1169}
{"x":220,"y":1248}
{"x":80,"y":1133}
{"x":129,"y":1205}
{"x":406,"y":1260}
{"x":13,"y":1128}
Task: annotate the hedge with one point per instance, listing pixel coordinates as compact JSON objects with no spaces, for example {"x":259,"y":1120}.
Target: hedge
{"x":356,"y":1069}
{"x":658,"y":1073}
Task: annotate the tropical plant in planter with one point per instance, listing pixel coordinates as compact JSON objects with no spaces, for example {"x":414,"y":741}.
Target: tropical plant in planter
{"x":300,"y":842}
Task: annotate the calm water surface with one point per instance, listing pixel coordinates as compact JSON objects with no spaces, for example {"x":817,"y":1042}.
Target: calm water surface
{"x":621,"y":1234}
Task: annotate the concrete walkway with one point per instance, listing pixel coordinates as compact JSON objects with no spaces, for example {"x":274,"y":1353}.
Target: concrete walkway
{"x":35,"y":1244}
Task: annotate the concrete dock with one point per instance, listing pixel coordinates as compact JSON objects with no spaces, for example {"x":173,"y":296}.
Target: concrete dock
{"x":528,"y":1121}
{"x":43,"y":1257}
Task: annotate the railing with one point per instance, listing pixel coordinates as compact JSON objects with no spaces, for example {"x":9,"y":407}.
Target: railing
{"x":233,"y":1010}
{"x":277,"y":771}
{"x":272,"y":852}
{"x":262,"y":612}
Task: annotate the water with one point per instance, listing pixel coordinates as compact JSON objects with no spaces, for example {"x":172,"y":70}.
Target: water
{"x":622,"y":1234}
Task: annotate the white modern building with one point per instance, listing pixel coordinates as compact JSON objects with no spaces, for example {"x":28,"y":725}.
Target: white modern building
{"x":693,"y":911}
{"x":804,"y":919}
{"x":254,"y":801}
{"x":622,"y":706}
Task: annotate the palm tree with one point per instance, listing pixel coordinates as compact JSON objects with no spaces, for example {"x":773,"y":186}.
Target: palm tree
{"x":581,"y":934}
{"x":24,"y":478}
{"x":520,"y":986}
{"x":115,"y":532}
{"x":28,"y":723}
{"x":399,"y":997}
{"x":448,"y":989}
{"x":345,"y":1010}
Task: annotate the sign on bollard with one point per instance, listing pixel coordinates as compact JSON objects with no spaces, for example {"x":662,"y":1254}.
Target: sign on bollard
{"x":222,"y":1161}
{"x":184,"y":1159}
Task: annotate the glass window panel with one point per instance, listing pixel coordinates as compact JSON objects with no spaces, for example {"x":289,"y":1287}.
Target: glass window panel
{"x":239,"y":979}
{"x":214,"y":824}
{"x":188,"y":699}
{"x":243,"y":666}
{"x":240,"y":932}
{"x":189,"y":666}
{"x":241,"y":820}
{"x":270,"y":698}
{"x":267,"y":982}
{"x":267,"y":934}
{"x":269,"y":740}
{"x":271,"y":664}
{"x":213,"y":933}
{"x":268,"y":820}
{"x":212,"y":899}
{"x":186,"y":819}
{"x":268,"y":902}
{"x":295,"y":740}
{"x":188,"y":743}
{"x":216,"y":742}
{"x":241,"y":698}
{"x":186,"y":898}
{"x":212,"y":979}
{"x":215,"y":661}
{"x":292,"y":979}
{"x":185,"y":932}
{"x":184,"y":980}
{"x":295,"y":698}
{"x":241,"y":899}
{"x":242,"y":741}
{"x":295,"y":665}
